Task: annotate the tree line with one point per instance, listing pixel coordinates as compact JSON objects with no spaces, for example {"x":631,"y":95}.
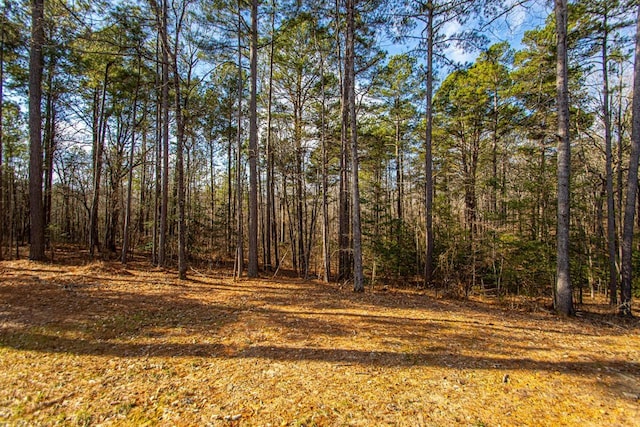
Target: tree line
{"x":280,"y":134}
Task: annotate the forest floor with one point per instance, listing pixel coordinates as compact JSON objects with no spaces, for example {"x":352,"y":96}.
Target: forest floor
{"x":99,"y":344}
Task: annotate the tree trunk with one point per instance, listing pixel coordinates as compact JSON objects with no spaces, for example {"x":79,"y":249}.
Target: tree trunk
{"x":399,"y":178}
{"x":619,"y":155}
{"x":180,"y":140}
{"x":158,"y":161}
{"x":230,"y":199}
{"x":326,"y":251}
{"x":36,"y":64}
{"x":143,"y":212}
{"x":429,"y":238}
{"x":49,"y":150}
{"x":494,"y":156}
{"x":563,"y":296}
{"x":100,"y":124}
{"x":358,"y":285}
{"x":271,"y":213}
{"x":632,"y":184}
{"x":112,"y":210}
{"x":182,"y":231}
{"x":298,"y":177}
{"x":239,"y":217}
{"x":252,"y":268}
{"x":127,"y":214}
{"x":3,"y":217}
{"x":164,"y":106}
{"x":611,"y":222}
{"x":343,"y":207}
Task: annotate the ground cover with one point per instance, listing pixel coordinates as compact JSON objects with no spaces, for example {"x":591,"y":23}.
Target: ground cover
{"x":99,"y":344}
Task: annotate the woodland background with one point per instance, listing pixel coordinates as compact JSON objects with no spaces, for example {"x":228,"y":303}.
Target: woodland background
{"x":284,"y":133}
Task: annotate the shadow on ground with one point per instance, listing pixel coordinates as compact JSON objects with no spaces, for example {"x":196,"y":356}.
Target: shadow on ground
{"x":136,"y":313}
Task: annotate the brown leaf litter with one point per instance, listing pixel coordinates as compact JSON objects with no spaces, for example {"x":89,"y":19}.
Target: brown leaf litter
{"x":101,"y":344}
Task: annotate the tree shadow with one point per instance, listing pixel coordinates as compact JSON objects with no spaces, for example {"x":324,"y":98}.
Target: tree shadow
{"x":308,"y":321}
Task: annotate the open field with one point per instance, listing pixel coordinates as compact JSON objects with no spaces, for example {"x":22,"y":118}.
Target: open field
{"x":99,"y":344}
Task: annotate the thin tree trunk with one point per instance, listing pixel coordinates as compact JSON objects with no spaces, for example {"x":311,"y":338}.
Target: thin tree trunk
{"x":158,"y":162}
{"x":164,"y":105}
{"x":312,"y":232}
{"x":399,"y":183}
{"x":358,"y":278}
{"x":142,"y":208}
{"x":343,"y":208}
{"x":298,"y":177}
{"x":212,"y":200}
{"x":182,"y":230}
{"x":611,"y":216}
{"x":127,"y":214}
{"x":620,"y":153}
{"x":429,"y":238}
{"x":100,"y":123}
{"x":49,"y":149}
{"x":14,"y":214}
{"x":3,"y":217}
{"x":632,"y":184}
{"x":563,"y":295}
{"x":271,"y":212}
{"x":494,"y":157}
{"x":180,"y":140}
{"x":252,"y":268}
{"x":239,"y":229}
{"x":326,"y":250}
{"x":230,"y":200}
{"x":326,"y":232}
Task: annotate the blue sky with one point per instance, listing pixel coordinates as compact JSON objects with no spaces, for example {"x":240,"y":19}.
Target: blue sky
{"x":511,"y":28}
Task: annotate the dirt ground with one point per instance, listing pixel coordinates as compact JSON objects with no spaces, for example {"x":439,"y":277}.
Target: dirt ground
{"x":99,"y":344}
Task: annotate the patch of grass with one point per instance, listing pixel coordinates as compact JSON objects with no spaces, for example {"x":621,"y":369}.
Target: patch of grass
{"x":83,"y":418}
{"x":124,"y":408}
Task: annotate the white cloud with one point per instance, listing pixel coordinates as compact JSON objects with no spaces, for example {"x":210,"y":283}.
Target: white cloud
{"x":456,"y":54}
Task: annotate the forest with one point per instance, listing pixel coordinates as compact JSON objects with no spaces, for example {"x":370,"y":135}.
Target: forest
{"x":343,"y":141}
{"x":319,"y":213}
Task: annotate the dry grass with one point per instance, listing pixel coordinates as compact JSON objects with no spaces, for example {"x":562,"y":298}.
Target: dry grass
{"x":100,"y":344}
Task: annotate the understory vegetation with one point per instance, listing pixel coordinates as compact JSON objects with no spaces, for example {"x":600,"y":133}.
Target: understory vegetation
{"x":346,"y":141}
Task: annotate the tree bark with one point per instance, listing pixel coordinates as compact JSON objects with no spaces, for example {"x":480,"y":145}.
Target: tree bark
{"x":563,"y":295}
{"x":100,"y":122}
{"x":36,"y":64}
{"x":3,"y":216}
{"x":358,"y":284}
{"x":180,"y":139}
{"x":298,"y":177}
{"x":252,"y":268}
{"x":326,"y":251}
{"x":49,"y":150}
{"x":157,"y":194}
{"x":127,"y":214}
{"x":343,"y":204}
{"x":270,"y":205}
{"x":230,"y":199}
{"x":164,"y":106}
{"x":611,"y":221}
{"x":239,"y":216}
{"x":429,"y":238}
{"x":399,"y":178}
{"x":143,"y":208}
{"x":632,"y":184}
{"x":112,"y":209}
{"x":182,"y":230}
